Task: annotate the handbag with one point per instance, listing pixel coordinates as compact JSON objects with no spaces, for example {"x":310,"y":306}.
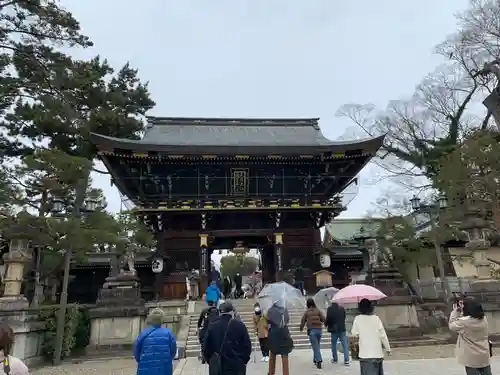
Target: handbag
{"x":215,"y":362}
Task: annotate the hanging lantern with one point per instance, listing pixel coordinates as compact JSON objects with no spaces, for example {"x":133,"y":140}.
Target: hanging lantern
{"x":324,"y":260}
{"x":157,"y":265}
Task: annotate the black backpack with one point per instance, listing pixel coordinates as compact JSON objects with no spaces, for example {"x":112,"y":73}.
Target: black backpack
{"x":210,"y":315}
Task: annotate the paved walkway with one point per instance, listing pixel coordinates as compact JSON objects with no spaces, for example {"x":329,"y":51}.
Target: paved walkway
{"x":430,"y":360}
{"x":301,"y":364}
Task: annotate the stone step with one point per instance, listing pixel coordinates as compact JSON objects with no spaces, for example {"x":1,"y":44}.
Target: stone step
{"x":193,"y":351}
{"x":249,"y":315}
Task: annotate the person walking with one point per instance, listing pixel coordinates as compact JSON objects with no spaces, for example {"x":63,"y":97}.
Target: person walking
{"x":335,"y":324}
{"x":207,"y":316}
{"x":238,"y":283}
{"x":370,"y":337}
{"x":226,"y":287}
{"x":227,"y":347}
{"x":261,"y":330}
{"x":299,"y":279}
{"x":10,"y":365}
{"x":279,"y":340}
{"x":156,"y":347}
{"x":213,"y":293}
{"x":473,"y":346}
{"x":314,"y":319}
{"x":214,"y":276}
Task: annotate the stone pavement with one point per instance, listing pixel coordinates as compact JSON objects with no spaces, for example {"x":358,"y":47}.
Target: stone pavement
{"x":301,"y":364}
{"x":430,"y":360}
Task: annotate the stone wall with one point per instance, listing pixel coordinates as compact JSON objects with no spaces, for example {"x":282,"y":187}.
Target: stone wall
{"x":396,"y":315}
{"x":28,"y":332}
{"x":117,"y":328}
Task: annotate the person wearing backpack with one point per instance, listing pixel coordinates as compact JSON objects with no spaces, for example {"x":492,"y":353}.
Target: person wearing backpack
{"x":227,"y":346}
{"x":207,"y":316}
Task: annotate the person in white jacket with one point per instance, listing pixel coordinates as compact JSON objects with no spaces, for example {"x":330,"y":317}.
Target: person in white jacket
{"x":369,"y":333}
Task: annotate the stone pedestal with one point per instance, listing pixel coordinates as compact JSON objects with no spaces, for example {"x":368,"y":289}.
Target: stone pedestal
{"x":388,"y":280}
{"x":119,"y":314}
{"x":120,"y":290}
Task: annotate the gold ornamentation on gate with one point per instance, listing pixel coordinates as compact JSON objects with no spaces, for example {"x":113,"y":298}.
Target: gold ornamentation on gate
{"x":239,"y":181}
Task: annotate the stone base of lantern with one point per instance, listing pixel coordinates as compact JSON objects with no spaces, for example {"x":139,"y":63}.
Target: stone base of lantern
{"x":14,"y":302}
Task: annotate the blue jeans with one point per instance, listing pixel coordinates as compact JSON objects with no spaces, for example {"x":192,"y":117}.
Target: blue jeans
{"x":342,"y":336}
{"x":315,"y":339}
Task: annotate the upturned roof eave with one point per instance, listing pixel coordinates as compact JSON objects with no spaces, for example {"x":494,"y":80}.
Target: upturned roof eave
{"x":102,"y":142}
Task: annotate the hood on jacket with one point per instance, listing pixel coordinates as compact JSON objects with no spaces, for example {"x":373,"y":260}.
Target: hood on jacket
{"x":473,"y":324}
{"x":278,"y":315}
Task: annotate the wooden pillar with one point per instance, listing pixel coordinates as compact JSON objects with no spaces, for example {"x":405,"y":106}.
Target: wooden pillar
{"x":203,"y":263}
{"x":278,"y":248}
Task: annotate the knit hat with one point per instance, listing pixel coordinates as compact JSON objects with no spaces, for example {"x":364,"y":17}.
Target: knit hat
{"x":226,"y":308}
{"x":156,"y":317}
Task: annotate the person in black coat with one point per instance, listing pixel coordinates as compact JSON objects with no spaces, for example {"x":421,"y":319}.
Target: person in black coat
{"x":226,"y":287}
{"x":229,"y":338}
{"x":238,"y":282}
{"x":335,"y":324}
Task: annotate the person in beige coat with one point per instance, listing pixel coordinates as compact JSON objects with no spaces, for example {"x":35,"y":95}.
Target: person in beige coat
{"x":261,"y":326}
{"x":473,"y":348}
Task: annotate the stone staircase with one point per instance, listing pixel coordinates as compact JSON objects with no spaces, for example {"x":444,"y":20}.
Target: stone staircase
{"x":301,"y":341}
{"x":245,"y":311}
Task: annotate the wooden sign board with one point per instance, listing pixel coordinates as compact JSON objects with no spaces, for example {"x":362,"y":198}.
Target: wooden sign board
{"x":323,"y":278}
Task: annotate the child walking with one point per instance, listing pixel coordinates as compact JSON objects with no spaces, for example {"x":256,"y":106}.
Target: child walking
{"x":261,"y":330}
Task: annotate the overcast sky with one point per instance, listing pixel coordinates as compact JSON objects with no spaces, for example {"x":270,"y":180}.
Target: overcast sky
{"x":270,"y":58}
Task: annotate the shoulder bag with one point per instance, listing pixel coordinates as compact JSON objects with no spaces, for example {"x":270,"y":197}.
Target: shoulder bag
{"x":144,"y":339}
{"x":215,"y":362}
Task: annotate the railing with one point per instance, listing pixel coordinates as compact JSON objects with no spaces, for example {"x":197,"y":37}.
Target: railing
{"x":434,"y":289}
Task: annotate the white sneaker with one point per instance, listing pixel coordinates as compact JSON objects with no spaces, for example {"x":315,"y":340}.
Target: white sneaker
{"x":266,"y":359}
{"x":263,"y":359}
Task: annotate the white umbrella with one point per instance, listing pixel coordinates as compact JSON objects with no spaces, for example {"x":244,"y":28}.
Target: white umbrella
{"x":282,"y":295}
{"x":324,"y":297}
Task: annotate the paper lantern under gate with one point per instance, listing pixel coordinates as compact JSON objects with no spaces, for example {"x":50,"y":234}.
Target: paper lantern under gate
{"x":325,"y":260}
{"x":157,"y":265}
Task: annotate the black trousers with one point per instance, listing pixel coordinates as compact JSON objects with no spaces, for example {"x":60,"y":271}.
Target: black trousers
{"x":371,"y":366}
{"x":478,"y":371}
{"x":263,"y":347}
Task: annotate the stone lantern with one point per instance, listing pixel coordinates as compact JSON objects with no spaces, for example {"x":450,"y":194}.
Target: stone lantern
{"x":15,"y":261}
{"x":475,"y":225}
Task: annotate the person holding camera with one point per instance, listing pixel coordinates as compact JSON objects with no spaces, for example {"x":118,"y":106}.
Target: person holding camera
{"x":473,"y":349}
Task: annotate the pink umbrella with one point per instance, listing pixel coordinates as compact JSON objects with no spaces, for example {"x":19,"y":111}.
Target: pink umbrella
{"x":356,"y":292}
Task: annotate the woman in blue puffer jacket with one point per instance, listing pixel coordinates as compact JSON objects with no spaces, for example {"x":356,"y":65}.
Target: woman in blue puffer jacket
{"x":155,"y":347}
{"x":213,"y":293}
